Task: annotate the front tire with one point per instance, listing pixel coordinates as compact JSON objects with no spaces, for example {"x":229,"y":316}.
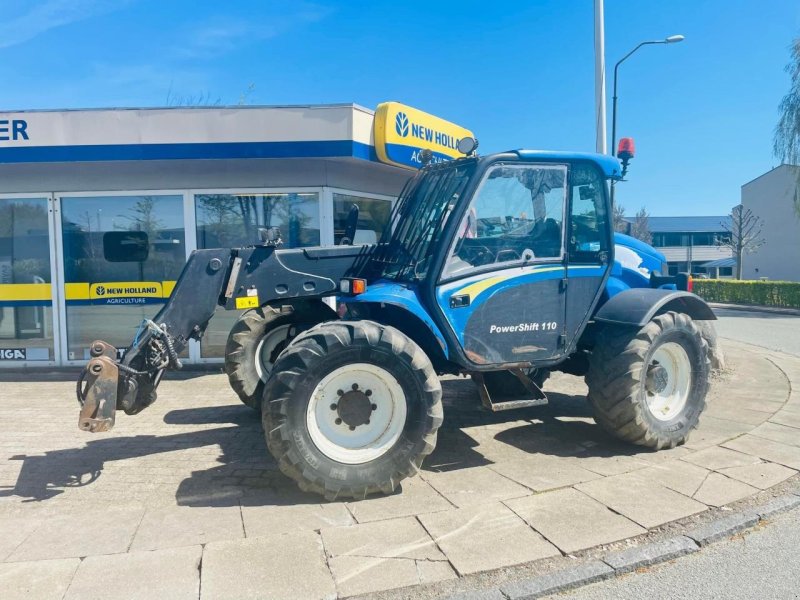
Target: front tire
{"x":648,"y":386}
{"x":353,"y":408}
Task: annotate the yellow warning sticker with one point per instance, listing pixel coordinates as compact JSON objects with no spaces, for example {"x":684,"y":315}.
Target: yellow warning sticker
{"x":247,"y":302}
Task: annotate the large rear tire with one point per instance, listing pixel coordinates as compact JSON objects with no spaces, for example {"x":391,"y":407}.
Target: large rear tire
{"x":353,"y":408}
{"x":254,"y":343}
{"x":648,"y":386}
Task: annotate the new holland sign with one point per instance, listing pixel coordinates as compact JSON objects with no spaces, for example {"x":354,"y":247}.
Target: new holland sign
{"x":402,"y":132}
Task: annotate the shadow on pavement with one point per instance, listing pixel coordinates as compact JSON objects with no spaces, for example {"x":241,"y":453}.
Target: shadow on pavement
{"x":243,"y":472}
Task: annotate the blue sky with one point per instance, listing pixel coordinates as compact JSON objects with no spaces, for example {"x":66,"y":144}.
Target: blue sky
{"x":520,"y":74}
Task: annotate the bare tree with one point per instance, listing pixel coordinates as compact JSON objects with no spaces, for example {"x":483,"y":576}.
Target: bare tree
{"x":620,"y":224}
{"x":640,"y":229}
{"x":743,"y":234}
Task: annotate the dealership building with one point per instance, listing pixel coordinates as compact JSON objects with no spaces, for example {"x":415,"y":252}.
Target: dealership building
{"x":190,"y":178}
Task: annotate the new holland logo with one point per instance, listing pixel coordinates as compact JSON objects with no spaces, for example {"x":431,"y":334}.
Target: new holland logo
{"x":401,"y":124}
{"x":100,"y":290}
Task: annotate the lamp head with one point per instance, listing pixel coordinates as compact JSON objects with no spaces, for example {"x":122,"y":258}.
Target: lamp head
{"x":674,"y":39}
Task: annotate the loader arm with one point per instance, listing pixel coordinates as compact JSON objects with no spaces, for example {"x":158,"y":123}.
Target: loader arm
{"x":234,"y":279}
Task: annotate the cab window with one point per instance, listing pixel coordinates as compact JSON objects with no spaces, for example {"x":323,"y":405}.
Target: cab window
{"x":589,"y":228}
{"x":515,"y":217}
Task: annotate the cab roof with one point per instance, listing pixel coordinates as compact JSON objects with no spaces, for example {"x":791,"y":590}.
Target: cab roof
{"x":608,"y":164}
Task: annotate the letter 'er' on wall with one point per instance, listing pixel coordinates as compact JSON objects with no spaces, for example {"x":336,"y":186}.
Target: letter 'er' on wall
{"x":401,"y":132}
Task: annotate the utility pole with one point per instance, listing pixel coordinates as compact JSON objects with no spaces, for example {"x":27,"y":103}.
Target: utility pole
{"x":600,"y":77}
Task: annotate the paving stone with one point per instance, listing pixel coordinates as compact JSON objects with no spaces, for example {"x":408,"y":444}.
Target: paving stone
{"x":572,"y":520}
{"x":761,"y":475}
{"x":625,"y":561}
{"x":395,"y":538}
{"x":647,"y":503}
{"x":778,"y":505}
{"x":713,"y":431}
{"x":790,"y":418}
{"x":415,"y":497}
{"x":13,"y":531}
{"x":277,"y":566}
{"x":772,"y":451}
{"x":661,"y":456}
{"x":485,"y":537}
{"x":99,"y":531}
{"x":558,"y":581}
{"x":778,"y":433}
{"x":479,"y":485}
{"x":611,"y":464}
{"x":676,"y":475}
{"x":270,"y":519}
{"x":721,"y":528}
{"x":41,"y":580}
{"x":716,"y":458}
{"x":487,"y":594}
{"x":544,"y":474}
{"x":718,"y":490}
{"x":736,"y":413}
{"x":174,"y":573}
{"x":187,"y":526}
{"x":360,"y":575}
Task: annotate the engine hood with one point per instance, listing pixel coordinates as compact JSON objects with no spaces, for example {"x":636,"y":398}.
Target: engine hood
{"x":649,"y":258}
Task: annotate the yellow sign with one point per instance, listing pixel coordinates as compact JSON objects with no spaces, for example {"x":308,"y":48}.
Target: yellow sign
{"x":126,"y":289}
{"x":402,"y":132}
{"x":247,"y":302}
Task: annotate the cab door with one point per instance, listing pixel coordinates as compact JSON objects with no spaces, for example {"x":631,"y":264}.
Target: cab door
{"x":502,"y":290}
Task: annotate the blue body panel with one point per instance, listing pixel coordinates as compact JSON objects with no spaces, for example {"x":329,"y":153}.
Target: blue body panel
{"x":633,"y":262}
{"x":403,"y":296}
{"x":608,"y":164}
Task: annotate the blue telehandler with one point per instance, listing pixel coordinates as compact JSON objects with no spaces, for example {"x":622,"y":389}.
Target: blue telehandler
{"x":503,"y":267}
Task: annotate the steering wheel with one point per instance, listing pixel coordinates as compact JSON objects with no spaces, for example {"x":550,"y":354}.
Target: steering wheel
{"x":477,"y":255}
{"x":515,"y":255}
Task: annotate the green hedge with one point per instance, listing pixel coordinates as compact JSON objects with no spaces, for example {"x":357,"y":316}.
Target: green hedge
{"x":758,"y":293}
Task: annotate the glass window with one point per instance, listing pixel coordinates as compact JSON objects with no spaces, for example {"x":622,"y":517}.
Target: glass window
{"x":233,"y":220}
{"x":373,"y":215}
{"x":726,"y":271}
{"x":588,"y":215}
{"x":26,"y":308}
{"x":516,"y":214}
{"x":108,"y":300}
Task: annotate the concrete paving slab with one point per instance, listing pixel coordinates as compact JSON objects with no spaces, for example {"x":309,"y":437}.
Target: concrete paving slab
{"x":485,"y":537}
{"x":478,"y":485}
{"x":99,"y":531}
{"x":277,"y":566}
{"x":394,"y":538}
{"x":415,"y":497}
{"x":174,"y":572}
{"x":715,"y":458}
{"x":187,"y":526}
{"x":718,"y":490}
{"x":610,"y":464}
{"x":544,"y":473}
{"x":40,"y":580}
{"x":676,"y":475}
{"x":270,"y":519}
{"x":788,"y":456}
{"x":572,"y":520}
{"x":790,"y":418}
{"x":13,"y":531}
{"x":736,"y":413}
{"x":647,"y":503}
{"x":361,"y":575}
{"x":712,"y":431}
{"x":761,"y":475}
{"x":778,"y":433}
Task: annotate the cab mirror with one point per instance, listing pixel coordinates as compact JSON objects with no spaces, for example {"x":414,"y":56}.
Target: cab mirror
{"x":126,"y":246}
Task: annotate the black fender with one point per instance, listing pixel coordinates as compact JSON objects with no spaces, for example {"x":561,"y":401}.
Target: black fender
{"x":637,"y":306}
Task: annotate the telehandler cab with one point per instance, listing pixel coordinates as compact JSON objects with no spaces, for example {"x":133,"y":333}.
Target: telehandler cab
{"x":503,"y":267}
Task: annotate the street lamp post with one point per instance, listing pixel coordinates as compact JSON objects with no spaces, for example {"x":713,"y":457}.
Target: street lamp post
{"x":673,"y":39}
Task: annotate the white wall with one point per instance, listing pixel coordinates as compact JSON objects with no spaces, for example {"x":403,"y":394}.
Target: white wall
{"x":772,"y":197}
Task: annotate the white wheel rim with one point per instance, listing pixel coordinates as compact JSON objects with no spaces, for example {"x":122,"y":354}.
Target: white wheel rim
{"x":367,"y":441}
{"x":670,"y":396}
{"x":265,"y":349}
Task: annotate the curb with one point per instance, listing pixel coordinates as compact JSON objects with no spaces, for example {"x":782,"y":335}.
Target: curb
{"x":621,"y":562}
{"x":775,"y":310}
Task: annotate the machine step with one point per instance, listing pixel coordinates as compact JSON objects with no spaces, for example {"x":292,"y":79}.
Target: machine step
{"x":534,"y":396}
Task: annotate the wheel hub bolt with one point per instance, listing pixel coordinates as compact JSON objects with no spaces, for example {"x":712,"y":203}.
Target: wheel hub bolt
{"x":355,"y":387}
{"x":339,"y":393}
{"x":338,"y":421}
{"x":374,"y":407}
{"x":352,"y":427}
{"x":334,"y":406}
{"x":368,"y":392}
